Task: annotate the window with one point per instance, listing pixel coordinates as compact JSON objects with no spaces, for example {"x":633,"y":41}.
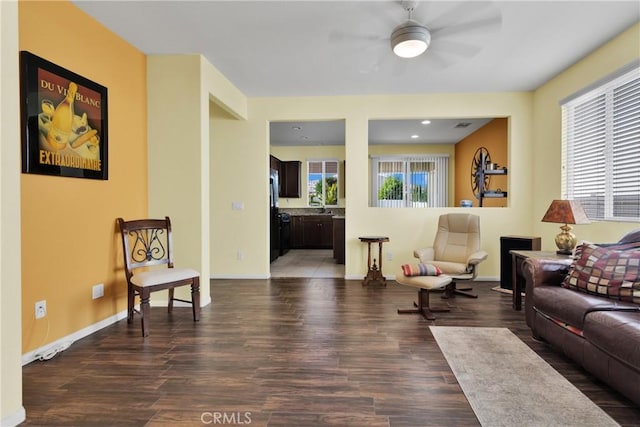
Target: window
{"x":409,"y":181}
{"x":322,"y":182}
{"x":601,"y":147}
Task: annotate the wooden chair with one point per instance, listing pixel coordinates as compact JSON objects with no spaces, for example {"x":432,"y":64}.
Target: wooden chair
{"x":148,"y":263}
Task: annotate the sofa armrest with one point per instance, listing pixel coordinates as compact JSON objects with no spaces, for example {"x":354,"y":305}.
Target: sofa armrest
{"x":541,"y":272}
{"x":538,"y":272}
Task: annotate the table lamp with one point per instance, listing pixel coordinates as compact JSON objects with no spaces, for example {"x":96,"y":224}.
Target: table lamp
{"x":566,"y":212}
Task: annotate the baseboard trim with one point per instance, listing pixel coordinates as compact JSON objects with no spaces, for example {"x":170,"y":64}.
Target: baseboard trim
{"x":14,"y":419}
{"x":239,"y":276}
{"x":84,"y":332}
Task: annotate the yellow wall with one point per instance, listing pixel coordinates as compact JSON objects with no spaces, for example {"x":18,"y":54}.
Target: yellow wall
{"x":68,"y":230}
{"x":246,"y":143}
{"x":68,"y":224}
{"x":493,"y":137}
{"x":547,"y":142}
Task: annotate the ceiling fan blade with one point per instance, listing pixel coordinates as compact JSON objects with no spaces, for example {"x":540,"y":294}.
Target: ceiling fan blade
{"x":340,"y":36}
{"x":461,"y":11}
{"x":436,"y":59}
{"x":489,"y":24}
{"x":456,"y":48}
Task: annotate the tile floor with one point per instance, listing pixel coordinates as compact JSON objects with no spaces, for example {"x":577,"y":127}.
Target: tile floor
{"x":307,"y":263}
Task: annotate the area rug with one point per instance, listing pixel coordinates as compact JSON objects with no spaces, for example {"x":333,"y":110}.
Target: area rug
{"x":508,"y":384}
{"x":504,"y":291}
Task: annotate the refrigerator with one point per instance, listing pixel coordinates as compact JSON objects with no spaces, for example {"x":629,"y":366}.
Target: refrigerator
{"x":274,"y":221}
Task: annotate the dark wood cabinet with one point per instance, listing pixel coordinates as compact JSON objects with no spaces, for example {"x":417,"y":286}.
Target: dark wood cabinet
{"x":290,"y":178}
{"x":510,"y":243}
{"x":296,"y":232}
{"x":274,"y":163}
{"x":312,"y":231}
{"x":338,"y":239}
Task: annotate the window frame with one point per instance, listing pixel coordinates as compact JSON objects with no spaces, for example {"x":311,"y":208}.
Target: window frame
{"x":440,"y":181}
{"x":600,"y":125}
{"x":323,"y":179}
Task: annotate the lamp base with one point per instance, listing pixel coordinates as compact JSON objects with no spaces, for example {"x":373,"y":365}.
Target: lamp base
{"x":564,"y":252}
{"x":566,"y":240}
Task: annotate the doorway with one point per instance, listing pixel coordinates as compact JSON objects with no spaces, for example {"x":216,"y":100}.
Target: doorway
{"x":318,"y":263}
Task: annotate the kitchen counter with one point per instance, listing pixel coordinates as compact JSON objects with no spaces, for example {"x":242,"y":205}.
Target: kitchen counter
{"x":313,"y":211}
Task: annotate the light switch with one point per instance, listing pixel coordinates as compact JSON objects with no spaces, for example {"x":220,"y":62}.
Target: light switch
{"x":237,"y":206}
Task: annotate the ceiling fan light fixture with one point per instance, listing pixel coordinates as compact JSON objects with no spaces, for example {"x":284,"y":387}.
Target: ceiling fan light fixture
{"x":410,"y":39}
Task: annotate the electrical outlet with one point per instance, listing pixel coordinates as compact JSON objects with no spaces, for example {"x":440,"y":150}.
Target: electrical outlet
{"x":41,"y":309}
{"x":240,"y":255}
{"x":97,"y":291}
{"x":389,"y":256}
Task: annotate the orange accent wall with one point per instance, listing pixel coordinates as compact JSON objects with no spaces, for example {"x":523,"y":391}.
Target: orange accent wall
{"x":68,"y":224}
{"x":494,"y":137}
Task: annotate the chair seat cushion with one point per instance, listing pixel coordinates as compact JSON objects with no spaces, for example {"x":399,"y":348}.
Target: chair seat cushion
{"x":164,"y":275}
{"x":453,"y":268}
{"x":424,"y":282}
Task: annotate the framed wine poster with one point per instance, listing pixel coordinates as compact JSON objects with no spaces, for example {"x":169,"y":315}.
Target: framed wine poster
{"x":63,"y":121}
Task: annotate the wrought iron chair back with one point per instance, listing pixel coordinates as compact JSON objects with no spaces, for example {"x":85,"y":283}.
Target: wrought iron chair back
{"x":148,"y":243}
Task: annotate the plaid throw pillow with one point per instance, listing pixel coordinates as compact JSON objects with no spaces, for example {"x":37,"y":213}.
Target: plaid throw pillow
{"x":420,"y":270}
{"x":606,"y":271}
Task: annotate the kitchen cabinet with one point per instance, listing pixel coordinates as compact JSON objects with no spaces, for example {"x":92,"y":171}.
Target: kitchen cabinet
{"x":275,"y":163}
{"x":312,"y":231}
{"x":290,"y":178}
{"x":338,"y":239}
{"x":296,"y":232}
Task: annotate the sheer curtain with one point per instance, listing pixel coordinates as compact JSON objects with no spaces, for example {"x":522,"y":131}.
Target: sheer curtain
{"x":409,"y":181}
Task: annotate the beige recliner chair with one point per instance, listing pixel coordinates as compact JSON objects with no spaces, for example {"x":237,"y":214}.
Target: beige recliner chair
{"x":456,"y":250}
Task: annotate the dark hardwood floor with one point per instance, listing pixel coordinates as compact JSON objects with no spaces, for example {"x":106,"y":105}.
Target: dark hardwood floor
{"x":282,"y":352}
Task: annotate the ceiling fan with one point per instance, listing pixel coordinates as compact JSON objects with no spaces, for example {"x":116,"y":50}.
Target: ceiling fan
{"x":410,"y":38}
{"x":446,"y":31}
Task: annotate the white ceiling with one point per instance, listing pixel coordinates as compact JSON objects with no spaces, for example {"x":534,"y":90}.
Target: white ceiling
{"x":409,"y":131}
{"x":322,"y":47}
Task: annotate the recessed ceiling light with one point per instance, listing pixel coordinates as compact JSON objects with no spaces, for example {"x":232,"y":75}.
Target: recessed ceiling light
{"x":296,"y":128}
{"x":425,"y":122}
{"x":415,"y":136}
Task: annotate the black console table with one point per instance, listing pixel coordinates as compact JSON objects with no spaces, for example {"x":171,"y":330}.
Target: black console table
{"x":511,"y":243}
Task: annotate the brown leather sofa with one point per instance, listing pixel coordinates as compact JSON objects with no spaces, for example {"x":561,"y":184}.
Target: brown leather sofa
{"x":601,"y":334}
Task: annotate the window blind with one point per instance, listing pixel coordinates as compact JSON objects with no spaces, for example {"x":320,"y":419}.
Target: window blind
{"x":409,"y":181}
{"x":601,"y":148}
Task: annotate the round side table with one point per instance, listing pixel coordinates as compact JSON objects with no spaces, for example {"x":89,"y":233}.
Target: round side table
{"x":374,"y":272}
